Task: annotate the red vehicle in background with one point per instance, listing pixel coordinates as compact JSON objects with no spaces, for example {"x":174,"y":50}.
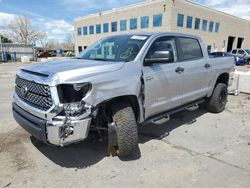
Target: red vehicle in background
{"x":45,"y":54}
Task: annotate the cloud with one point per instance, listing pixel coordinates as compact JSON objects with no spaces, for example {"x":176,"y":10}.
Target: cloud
{"x":95,"y":4}
{"x":57,"y":29}
{"x":239,"y":8}
{"x":215,"y":2}
{"x":5,"y":19}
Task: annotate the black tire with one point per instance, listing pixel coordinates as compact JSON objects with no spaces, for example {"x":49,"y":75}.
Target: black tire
{"x":127,"y":133}
{"x":217,"y":102}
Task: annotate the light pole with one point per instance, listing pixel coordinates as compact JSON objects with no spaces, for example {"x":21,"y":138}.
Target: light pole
{"x":1,"y":48}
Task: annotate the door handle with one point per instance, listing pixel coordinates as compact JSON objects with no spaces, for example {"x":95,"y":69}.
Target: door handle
{"x":179,"y":69}
{"x":207,"y":65}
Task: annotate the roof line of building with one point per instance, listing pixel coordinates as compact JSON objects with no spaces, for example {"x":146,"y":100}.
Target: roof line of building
{"x":154,"y":1}
{"x":118,"y":9}
{"x":204,"y":6}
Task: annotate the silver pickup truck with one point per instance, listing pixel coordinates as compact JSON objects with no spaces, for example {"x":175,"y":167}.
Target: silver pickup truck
{"x":118,"y":83}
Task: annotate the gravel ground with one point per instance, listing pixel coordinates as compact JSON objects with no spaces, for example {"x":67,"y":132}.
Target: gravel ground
{"x":194,"y":149}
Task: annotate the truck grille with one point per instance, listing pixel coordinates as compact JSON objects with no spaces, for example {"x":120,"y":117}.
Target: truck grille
{"x":36,"y":95}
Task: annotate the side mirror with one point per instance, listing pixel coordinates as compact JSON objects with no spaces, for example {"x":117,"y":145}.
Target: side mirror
{"x":160,"y":57}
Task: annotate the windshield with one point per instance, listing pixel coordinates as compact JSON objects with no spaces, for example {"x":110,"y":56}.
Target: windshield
{"x":248,"y":51}
{"x":116,"y":48}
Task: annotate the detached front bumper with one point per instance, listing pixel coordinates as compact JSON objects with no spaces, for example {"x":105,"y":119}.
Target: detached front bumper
{"x":50,"y":131}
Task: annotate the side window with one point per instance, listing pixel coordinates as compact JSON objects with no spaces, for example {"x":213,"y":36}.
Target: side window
{"x":163,"y":44}
{"x":190,"y":49}
{"x":234,"y":51}
{"x":241,"y":52}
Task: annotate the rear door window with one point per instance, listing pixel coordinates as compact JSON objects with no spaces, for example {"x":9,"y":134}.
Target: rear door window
{"x":190,"y":49}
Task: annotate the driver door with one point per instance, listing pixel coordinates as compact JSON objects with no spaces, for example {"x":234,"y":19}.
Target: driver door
{"x":163,"y":82}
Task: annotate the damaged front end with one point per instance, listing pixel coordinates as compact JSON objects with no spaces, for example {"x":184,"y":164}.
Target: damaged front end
{"x":73,"y":122}
{"x":66,"y":119}
{"x":72,"y":126}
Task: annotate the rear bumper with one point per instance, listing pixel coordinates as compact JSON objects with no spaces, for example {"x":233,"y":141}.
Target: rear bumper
{"x":49,"y":131}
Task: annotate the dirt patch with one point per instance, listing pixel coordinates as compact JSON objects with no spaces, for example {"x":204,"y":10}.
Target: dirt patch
{"x":5,"y":75}
{"x":237,"y":106}
{"x":12,"y":144}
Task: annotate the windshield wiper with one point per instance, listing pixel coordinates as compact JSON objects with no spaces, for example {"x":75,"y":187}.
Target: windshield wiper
{"x":99,"y":59}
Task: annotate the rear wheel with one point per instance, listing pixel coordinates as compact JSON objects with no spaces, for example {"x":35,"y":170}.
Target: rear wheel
{"x":217,"y":102}
{"x":126,"y":129}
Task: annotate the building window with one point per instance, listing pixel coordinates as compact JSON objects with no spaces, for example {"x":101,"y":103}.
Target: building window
{"x":204,"y":25}
{"x":79,"y":49}
{"x":209,"y":48}
{"x":217,"y":27}
{"x":79,"y":31}
{"x":144,"y":22}
{"x":98,"y":28}
{"x":114,"y":26}
{"x":105,"y":27}
{"x":157,"y":20}
{"x":197,"y":23}
{"x":91,"y":30}
{"x":189,"y":21}
{"x":211,"y":26}
{"x":180,"y":20}
{"x":133,"y":23}
{"x":123,"y":25}
{"x":85,"y":30}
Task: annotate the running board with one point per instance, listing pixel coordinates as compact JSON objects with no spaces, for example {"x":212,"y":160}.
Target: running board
{"x":161,"y":119}
{"x":165,"y":117}
{"x":192,"y":108}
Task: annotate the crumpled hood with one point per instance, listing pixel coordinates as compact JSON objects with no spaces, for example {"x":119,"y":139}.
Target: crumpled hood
{"x":68,"y":69}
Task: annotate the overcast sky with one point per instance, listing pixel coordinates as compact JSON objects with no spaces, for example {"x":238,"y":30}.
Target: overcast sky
{"x":56,"y":17}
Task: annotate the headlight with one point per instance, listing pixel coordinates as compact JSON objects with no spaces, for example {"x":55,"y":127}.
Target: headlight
{"x":69,"y":93}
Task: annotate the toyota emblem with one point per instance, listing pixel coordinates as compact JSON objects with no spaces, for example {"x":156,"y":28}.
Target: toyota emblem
{"x":24,"y":90}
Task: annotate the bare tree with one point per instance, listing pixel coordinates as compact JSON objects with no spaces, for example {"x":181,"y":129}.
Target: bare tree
{"x":68,"y":43}
{"x":23,"y":31}
{"x":50,"y":44}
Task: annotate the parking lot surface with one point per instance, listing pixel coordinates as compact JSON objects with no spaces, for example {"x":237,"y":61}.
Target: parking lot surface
{"x":194,"y":149}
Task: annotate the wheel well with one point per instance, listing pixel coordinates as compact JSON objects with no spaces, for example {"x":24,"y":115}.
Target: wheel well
{"x":223,"y":78}
{"x":131,"y":99}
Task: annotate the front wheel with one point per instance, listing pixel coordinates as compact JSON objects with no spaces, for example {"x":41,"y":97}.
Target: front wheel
{"x":217,"y":102}
{"x":126,"y":129}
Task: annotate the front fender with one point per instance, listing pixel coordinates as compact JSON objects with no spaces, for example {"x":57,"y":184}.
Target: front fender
{"x":126,"y":81}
